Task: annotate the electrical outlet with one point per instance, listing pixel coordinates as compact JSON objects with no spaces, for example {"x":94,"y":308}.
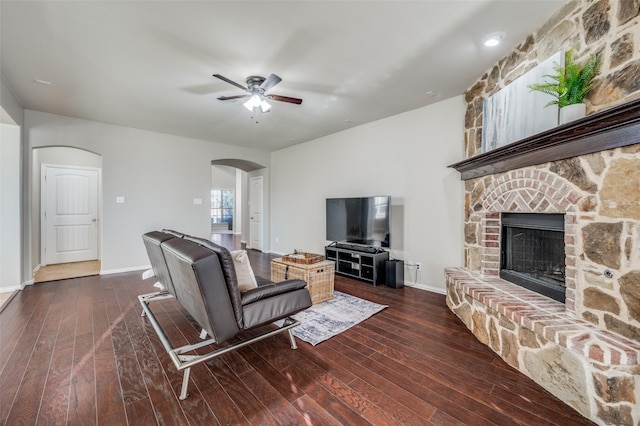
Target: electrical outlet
{"x":418,"y":266}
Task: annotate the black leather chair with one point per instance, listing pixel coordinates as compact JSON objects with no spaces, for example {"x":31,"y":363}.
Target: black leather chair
{"x":201,"y":276}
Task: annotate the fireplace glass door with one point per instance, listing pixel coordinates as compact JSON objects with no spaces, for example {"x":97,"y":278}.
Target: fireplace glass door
{"x":532,"y":252}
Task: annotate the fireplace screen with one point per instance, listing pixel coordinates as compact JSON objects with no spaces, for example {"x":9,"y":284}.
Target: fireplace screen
{"x":532,"y":252}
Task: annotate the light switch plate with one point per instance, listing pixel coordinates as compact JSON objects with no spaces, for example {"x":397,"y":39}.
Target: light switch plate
{"x":197,"y":201}
{"x":120,"y":200}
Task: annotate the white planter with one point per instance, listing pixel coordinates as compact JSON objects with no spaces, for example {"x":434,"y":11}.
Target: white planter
{"x":572,"y":112}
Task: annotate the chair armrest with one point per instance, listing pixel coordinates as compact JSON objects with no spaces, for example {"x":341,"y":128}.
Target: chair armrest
{"x":263,"y":281}
{"x":270,"y":290}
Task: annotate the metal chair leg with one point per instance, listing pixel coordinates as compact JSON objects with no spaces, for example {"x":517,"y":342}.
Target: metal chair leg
{"x":180,"y":357}
{"x":185,"y":384}
{"x":292,"y":339}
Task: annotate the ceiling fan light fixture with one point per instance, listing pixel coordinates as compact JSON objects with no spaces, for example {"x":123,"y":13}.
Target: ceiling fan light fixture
{"x":253,"y":102}
{"x":265,"y":106}
{"x":256,"y":88}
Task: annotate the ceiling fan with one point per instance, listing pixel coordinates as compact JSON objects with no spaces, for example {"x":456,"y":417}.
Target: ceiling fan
{"x":256,"y":92}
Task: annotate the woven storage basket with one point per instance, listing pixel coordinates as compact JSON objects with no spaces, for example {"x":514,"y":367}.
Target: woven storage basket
{"x":307,"y":258}
{"x":318,"y":276}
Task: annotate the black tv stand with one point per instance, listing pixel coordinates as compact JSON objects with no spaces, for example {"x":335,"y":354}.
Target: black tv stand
{"x":360,"y":262}
{"x":357,"y":247}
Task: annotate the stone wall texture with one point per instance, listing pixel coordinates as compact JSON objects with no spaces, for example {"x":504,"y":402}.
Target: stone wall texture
{"x":605,"y":242}
{"x":608,"y":27}
{"x":599,"y":194}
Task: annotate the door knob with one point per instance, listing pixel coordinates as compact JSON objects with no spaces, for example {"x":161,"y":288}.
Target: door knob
{"x":94,"y":220}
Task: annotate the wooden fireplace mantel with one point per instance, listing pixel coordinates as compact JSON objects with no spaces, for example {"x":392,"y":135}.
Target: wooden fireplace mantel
{"x":611,"y":128}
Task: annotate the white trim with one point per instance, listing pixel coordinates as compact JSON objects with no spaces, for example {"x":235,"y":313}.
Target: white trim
{"x":426,"y":287}
{"x":252,"y":195}
{"x":11,"y":288}
{"x":121,"y":270}
{"x":28,"y":282}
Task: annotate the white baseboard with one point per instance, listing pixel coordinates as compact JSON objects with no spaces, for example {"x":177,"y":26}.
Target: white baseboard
{"x":121,"y":270}
{"x":12,"y":288}
{"x":426,"y":287}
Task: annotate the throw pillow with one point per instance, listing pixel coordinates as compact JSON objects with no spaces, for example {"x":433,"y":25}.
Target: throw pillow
{"x":246,"y":278}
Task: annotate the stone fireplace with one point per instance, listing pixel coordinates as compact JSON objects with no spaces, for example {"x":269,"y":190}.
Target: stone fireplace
{"x":585,"y":350}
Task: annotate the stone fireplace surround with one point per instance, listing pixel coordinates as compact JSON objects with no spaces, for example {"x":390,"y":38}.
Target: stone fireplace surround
{"x":593,"y":370}
{"x":566,"y":348}
{"x":584,"y":352}
{"x":536,"y":191}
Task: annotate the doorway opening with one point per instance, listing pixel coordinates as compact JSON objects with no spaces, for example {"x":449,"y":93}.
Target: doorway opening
{"x":222,"y":210}
{"x":67,"y":198}
{"x":234,"y":201}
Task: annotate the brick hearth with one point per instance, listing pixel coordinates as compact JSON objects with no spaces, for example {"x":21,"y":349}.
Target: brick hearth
{"x":547,"y":318}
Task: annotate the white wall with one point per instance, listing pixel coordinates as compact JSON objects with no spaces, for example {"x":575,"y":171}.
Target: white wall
{"x":12,"y":251}
{"x":11,"y":111}
{"x":405,"y":156}
{"x":158,"y":174}
{"x":10,"y":241}
{"x":223,"y":177}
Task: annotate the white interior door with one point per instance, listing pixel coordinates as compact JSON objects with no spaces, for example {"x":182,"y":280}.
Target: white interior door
{"x":255,"y":198}
{"x":69,"y":214}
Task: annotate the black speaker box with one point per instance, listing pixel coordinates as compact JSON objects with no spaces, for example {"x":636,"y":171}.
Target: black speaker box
{"x":394,"y":273}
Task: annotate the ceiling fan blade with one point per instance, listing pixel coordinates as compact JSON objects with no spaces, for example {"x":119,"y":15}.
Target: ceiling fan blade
{"x":228,"y":98}
{"x":240,"y":86}
{"x":271,"y":81}
{"x":296,"y":101}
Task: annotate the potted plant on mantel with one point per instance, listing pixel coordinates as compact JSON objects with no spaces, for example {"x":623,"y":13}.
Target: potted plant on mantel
{"x":570,"y":85}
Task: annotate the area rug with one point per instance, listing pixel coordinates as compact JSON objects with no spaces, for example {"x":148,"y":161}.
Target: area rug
{"x":327,"y":319}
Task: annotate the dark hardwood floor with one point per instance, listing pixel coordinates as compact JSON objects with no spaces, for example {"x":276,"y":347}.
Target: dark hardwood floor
{"x":78,"y":352}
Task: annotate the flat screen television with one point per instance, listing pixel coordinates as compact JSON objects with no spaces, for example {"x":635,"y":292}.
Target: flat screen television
{"x":359,"y":220}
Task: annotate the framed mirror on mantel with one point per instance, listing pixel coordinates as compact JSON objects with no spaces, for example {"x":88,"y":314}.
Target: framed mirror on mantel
{"x":611,"y":128}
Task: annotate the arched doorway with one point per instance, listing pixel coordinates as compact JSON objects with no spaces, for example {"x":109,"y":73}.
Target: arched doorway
{"x":66,"y":245}
{"x":237,"y":218}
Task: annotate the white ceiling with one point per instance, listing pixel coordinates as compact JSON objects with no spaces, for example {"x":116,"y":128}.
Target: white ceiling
{"x":149,"y":64}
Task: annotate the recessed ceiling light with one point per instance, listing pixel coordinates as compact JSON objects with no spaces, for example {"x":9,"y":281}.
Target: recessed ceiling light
{"x":431,"y":93}
{"x":45,"y":82}
{"x":493,"y":39}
